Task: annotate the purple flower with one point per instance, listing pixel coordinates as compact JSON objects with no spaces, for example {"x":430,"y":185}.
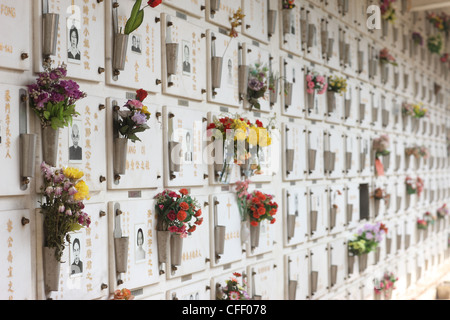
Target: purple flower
{"x":139,"y":118}
{"x":255,"y":84}
{"x":41,"y":100}
{"x":49,"y":190}
{"x":72,"y":191}
{"x":61,"y":209}
{"x":58,"y":191}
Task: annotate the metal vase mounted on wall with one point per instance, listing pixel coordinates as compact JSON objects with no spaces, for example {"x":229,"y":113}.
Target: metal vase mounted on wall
{"x":399,"y":242}
{"x":399,"y":203}
{"x":385,"y":117}
{"x":292,"y":289}
{"x":407,"y":241}
{"x":348,"y":160}
{"x":172,"y":58}
{"x":216,"y":72}
{"x":314,"y":281}
{"x":120,"y":51}
{"x":52,"y":268}
{"x":313,"y":217}
{"x":327,"y":160}
{"x":333,"y":271}
{"x":362,"y":260}
{"x":291,"y":218}
{"x":288,"y":94}
{"x":362,"y":158}
{"x":174,"y":158}
{"x":27,"y":155}
{"x":219,"y":239}
{"x":333,"y":214}
{"x":273,"y":92}
{"x":50,"y":23}
{"x":386,"y":162}
{"x":121,"y":253}
{"x":272,"y":22}
{"x":287,"y":21}
{"x":351,"y":263}
{"x":347,"y":108}
{"x":49,"y":142}
{"x":330,"y":46}
{"x":163,"y":238}
{"x":360,"y":61}
{"x":214,"y":6}
{"x":243,"y":72}
{"x":388,"y":245}
{"x":176,"y":250}
{"x":331,"y":101}
{"x":120,"y":155}
{"x":362,"y":112}
{"x":349,"y":212}
{"x":374,"y":114}
{"x":290,"y":155}
{"x":312,"y":159}
{"x":255,"y":232}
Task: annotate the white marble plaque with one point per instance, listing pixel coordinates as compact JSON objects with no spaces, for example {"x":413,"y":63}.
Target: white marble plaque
{"x":188,"y":128}
{"x":195,"y":291}
{"x":81,"y":35}
{"x":296,"y":201}
{"x":191,"y":7}
{"x":351,"y":157}
{"x":294,"y":141}
{"x":337,"y":208}
{"x":315,"y":142}
{"x":254,"y":25}
{"x":291,"y":40}
{"x":143,"y":56}
{"x":15,"y":22}
{"x":319,"y":264}
{"x":352,"y":204}
{"x":334,"y":144}
{"x":226,"y":10}
{"x":338,"y":254}
{"x":298,"y":267}
{"x":144,"y":166}
{"x":317,"y":210}
{"x":263,"y":280}
{"x":16,"y":267}
{"x":190,"y":77}
{"x":294,"y":74}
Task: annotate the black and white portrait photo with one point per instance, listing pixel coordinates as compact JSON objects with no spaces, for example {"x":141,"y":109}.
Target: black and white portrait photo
{"x":76,"y":265}
{"x":188,"y":147}
{"x":140,"y":243}
{"x":73,"y":40}
{"x":75,"y":149}
{"x":187,"y":58}
{"x":136,"y":44}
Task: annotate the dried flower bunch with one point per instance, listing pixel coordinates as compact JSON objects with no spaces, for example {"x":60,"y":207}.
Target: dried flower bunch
{"x":233,"y":290}
{"x":380,"y":194}
{"x":63,"y":208}
{"x":367,"y":239}
{"x":236,"y":21}
{"x":53,"y":99}
{"x":442,"y":212}
{"x":178,"y":213}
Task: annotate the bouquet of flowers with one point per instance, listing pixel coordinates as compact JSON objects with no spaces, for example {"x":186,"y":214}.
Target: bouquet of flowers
{"x":410,"y":185}
{"x":417,"y":38}
{"x":440,"y":22}
{"x":435,"y":44}
{"x":407,"y":109}
{"x":386,"y":57}
{"x":337,"y":84}
{"x":178,"y":213}
{"x":442,"y":212}
{"x":233,"y":289}
{"x":367,"y":239}
{"x":388,"y":10}
{"x":235,"y":21}
{"x":260,"y":206}
{"x":137,"y":15}
{"x":419,"y":185}
{"x":387,"y":283}
{"x":53,"y":99}
{"x":63,"y":208}
{"x":429,"y":218}
{"x":257,"y":84}
{"x":417,"y":152}
{"x":134,"y":120}
{"x":381,"y":145}
{"x":123,"y":294}
{"x":422,"y":224}
{"x":288,"y":4}
{"x":314,"y":81}
{"x":380,"y":194}
{"x":419,"y":111}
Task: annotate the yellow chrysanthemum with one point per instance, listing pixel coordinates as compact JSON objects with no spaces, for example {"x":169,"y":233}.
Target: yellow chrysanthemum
{"x":264,"y":137}
{"x":73,"y":173}
{"x":83,"y":191}
{"x":240,"y":135}
{"x":253,"y":136}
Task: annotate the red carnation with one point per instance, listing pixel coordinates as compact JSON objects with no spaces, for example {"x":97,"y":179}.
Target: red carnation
{"x":273,"y":221}
{"x":154,"y":3}
{"x":192,"y":229}
{"x":184,"y":206}
{"x":141,"y":94}
{"x":184,"y":192}
{"x":254,"y":223}
{"x":198,"y":213}
{"x":182,"y":215}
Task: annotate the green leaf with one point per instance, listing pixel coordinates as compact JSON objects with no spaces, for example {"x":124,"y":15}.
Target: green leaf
{"x":131,"y":21}
{"x":46,"y":115}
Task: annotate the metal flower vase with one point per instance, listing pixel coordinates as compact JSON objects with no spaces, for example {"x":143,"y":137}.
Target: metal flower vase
{"x":120,"y":155}
{"x":216,"y":72}
{"x":362,"y":260}
{"x":50,"y":23}
{"x":120,"y":51}
{"x":255,"y":232}
{"x":172,"y":58}
{"x":272,"y":22}
{"x":163,"y":238}
{"x":52,"y":268}
{"x":121,"y":253}
{"x":176,"y":250}
{"x":291,"y":218}
{"x":49,"y":141}
{"x":27,"y":155}
{"x":219,"y":239}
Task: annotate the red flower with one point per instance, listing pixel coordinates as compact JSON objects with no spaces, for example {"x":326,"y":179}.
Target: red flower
{"x":154,"y":3}
{"x":141,"y":95}
{"x":211,"y":126}
{"x":182,"y":215}
{"x":273,"y":212}
{"x":184,"y":192}
{"x":198,"y":213}
{"x":254,"y":223}
{"x":255,"y":215}
{"x":261,"y":211}
{"x":192,"y":229}
{"x":199,"y":221}
{"x":184,"y":206}
{"x":273,"y":221}
{"x":236,"y":274}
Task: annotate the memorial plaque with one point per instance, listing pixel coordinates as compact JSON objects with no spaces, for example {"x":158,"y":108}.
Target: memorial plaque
{"x":337,"y":208}
{"x":263,"y":280}
{"x":225,"y":213}
{"x":81,"y":38}
{"x":15,"y":21}
{"x":318,"y":213}
{"x":223,"y":78}
{"x":195,"y":246}
{"x":338,"y":253}
{"x":294,"y":74}
{"x":351,"y":158}
{"x":226,"y":10}
{"x":334,"y":144}
{"x":319,"y":276}
{"x":254,"y":25}
{"x":290,"y":29}
{"x":16,"y":257}
{"x":136,"y":220}
{"x":185,"y":75}
{"x":187,"y":128}
{"x":351,"y":53}
{"x":190,"y":7}
{"x":294,"y":161}
{"x":365,"y":147}
{"x":143,"y":52}
{"x":85,"y":267}
{"x":195,"y":291}
{"x":363,"y":57}
{"x":298,"y":270}
{"x":143,"y":165}
{"x":296,"y":202}
{"x":12,"y":120}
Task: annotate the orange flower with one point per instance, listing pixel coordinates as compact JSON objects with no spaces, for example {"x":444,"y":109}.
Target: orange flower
{"x":261,"y":211}
{"x":254,"y":223}
{"x":199,"y":221}
{"x":184,"y":192}
{"x":261,"y":196}
{"x":182,"y":215}
{"x":184,"y":206}
{"x":198,"y":213}
{"x":192,"y":229}
{"x":273,"y":212}
{"x":273,"y":221}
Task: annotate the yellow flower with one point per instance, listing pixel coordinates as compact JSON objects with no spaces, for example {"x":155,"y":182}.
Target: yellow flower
{"x":253,"y":136}
{"x":73,"y":173}
{"x":83,"y":191}
{"x":263,"y":137}
{"x":240,"y":135}
{"x":145,"y":111}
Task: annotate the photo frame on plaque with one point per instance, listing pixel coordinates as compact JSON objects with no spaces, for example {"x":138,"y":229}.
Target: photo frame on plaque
{"x":142,"y":67}
{"x":84,"y":275}
{"x":223,"y":78}
{"x":255,"y":23}
{"x":16,"y":48}
{"x":184,"y":147}
{"x":16,"y":268}
{"x":136,"y":221}
{"x":183,"y":54}
{"x":81,"y":35}
{"x":144,"y":169}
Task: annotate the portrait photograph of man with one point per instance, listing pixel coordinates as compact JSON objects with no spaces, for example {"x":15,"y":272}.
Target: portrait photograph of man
{"x":186,"y":58}
{"x":75,"y":149}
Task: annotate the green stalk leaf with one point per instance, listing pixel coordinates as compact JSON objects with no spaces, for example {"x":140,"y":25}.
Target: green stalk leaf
{"x":131,"y":21}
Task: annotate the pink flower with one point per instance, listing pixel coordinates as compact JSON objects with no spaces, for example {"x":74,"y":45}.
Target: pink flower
{"x":171,"y":216}
{"x":311,"y":85}
{"x":310,"y":91}
{"x":320,"y":79}
{"x":135,"y":103}
{"x":173,"y":229}
{"x":309,"y":78}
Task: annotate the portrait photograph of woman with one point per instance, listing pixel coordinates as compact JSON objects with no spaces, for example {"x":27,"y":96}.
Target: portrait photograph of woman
{"x":73,"y":40}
